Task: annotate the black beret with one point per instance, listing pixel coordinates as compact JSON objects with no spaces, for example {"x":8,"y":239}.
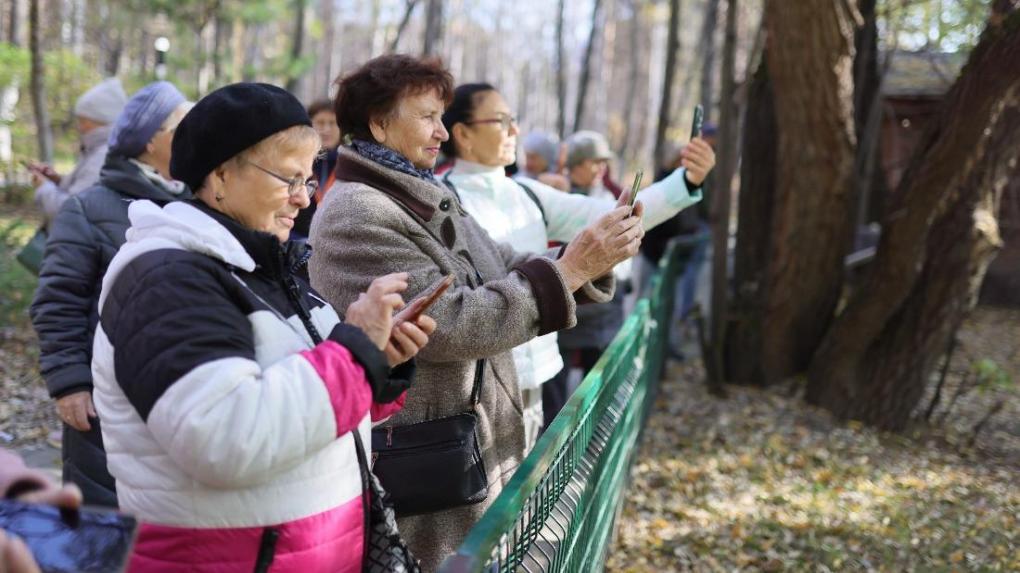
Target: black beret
{"x":228,"y":121}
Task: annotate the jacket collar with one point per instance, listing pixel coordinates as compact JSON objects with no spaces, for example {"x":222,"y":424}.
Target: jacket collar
{"x":125,"y":177}
{"x":415,"y":194}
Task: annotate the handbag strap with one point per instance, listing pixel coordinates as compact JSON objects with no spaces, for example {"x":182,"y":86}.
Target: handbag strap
{"x":366,"y":511}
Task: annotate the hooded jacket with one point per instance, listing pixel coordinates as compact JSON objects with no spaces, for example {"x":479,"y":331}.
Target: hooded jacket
{"x":228,"y":429}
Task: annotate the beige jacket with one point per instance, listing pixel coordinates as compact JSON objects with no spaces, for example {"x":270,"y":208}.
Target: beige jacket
{"x":376,"y":221}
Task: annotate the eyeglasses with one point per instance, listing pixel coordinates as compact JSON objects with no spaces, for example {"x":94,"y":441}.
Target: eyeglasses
{"x":294,"y":184}
{"x":504,"y":121}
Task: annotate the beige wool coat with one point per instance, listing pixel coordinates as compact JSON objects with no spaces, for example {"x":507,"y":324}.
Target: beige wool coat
{"x":376,"y":221}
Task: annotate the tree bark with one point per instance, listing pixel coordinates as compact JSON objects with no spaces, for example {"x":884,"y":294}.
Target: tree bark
{"x":754,"y":234}
{"x":939,"y":234}
{"x":561,"y":73}
{"x":809,"y":59}
{"x":44,"y":136}
{"x":708,"y":60}
{"x":433,"y":27}
{"x":582,"y":85}
{"x":722,"y":185}
{"x":669,"y":76}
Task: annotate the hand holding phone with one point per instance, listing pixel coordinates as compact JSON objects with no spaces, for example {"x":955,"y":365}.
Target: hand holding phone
{"x":418,"y":306}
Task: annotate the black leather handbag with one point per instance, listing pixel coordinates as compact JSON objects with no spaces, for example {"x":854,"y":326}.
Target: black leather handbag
{"x":433,"y":465}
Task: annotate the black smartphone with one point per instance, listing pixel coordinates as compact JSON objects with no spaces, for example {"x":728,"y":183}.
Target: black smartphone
{"x":699,"y":118}
{"x":635,"y":187}
{"x":81,"y":541}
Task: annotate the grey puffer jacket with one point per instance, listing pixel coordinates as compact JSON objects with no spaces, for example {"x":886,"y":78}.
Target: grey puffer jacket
{"x":88,"y":231}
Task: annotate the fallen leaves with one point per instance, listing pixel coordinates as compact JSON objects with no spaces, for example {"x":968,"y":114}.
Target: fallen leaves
{"x":761,"y":482}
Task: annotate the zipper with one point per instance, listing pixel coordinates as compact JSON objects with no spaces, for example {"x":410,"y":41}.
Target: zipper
{"x":267,"y":550}
{"x":294,"y":295}
{"x":448,"y":445}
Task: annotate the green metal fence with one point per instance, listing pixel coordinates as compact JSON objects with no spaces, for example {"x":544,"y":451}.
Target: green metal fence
{"x":558,"y":510}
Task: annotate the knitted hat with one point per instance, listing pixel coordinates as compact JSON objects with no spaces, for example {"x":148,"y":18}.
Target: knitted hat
{"x":103,"y":103}
{"x":587,"y":145}
{"x":225,"y":123}
{"x":545,"y":144}
{"x":142,"y":117}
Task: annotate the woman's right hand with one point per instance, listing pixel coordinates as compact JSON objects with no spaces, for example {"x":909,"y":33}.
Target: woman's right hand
{"x":613,"y":238}
{"x":373,"y":311}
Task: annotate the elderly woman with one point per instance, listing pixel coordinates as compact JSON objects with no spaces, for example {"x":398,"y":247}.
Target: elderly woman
{"x":89,"y":229}
{"x":528,"y":214}
{"x":232,"y":397}
{"x":387,"y":212}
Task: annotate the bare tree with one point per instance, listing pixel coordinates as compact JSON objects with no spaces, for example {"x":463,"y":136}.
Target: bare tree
{"x":722,"y":184}
{"x":561,"y":72}
{"x":37,"y":86}
{"x":433,"y":26}
{"x":669,"y":77}
{"x":409,"y":6}
{"x":707,"y":43}
{"x":582,"y":86}
{"x":297,"y":44}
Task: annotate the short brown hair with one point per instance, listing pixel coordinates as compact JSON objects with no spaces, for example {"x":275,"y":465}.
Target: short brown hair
{"x":318,"y":106}
{"x":376,"y":88}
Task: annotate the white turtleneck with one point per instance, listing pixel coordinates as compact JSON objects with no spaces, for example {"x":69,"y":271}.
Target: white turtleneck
{"x":503,"y":208}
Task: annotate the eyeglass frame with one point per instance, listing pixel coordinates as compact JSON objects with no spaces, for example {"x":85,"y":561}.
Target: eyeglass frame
{"x":504,"y":121}
{"x":311,"y":186}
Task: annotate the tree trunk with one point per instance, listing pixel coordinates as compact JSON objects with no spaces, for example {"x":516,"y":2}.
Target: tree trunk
{"x":297,"y":44}
{"x":582,"y":85}
{"x":14,"y":24}
{"x":938,"y":236}
{"x":722,"y":184}
{"x":809,"y":59}
{"x":433,"y":27}
{"x":754,"y":234}
{"x":561,"y":73}
{"x":669,"y":76}
{"x":708,"y":60}
{"x":37,"y":86}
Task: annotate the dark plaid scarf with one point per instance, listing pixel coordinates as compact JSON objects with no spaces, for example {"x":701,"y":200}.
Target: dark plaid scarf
{"x":388,"y":158}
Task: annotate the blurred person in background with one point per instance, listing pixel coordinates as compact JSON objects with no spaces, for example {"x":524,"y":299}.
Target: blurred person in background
{"x":86,"y":234}
{"x":94,"y":112}
{"x":324,"y":123}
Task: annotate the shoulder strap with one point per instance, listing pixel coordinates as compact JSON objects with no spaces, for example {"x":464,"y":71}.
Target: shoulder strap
{"x":534,"y":199}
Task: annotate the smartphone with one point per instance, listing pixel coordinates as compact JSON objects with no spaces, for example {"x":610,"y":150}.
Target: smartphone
{"x":418,"y":306}
{"x":699,"y":118}
{"x":82,"y":541}
{"x":635,"y":187}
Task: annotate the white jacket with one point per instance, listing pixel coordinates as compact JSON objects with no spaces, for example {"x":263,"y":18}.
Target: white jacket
{"x":503,"y":208}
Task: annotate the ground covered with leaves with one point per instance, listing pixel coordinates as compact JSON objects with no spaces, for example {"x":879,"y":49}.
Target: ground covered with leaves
{"x":759,"y":481}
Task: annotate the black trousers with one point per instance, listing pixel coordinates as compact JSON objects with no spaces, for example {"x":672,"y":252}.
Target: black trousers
{"x":556,"y":392}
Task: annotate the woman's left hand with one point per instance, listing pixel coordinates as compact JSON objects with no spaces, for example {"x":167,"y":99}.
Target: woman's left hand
{"x":408,"y":338}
